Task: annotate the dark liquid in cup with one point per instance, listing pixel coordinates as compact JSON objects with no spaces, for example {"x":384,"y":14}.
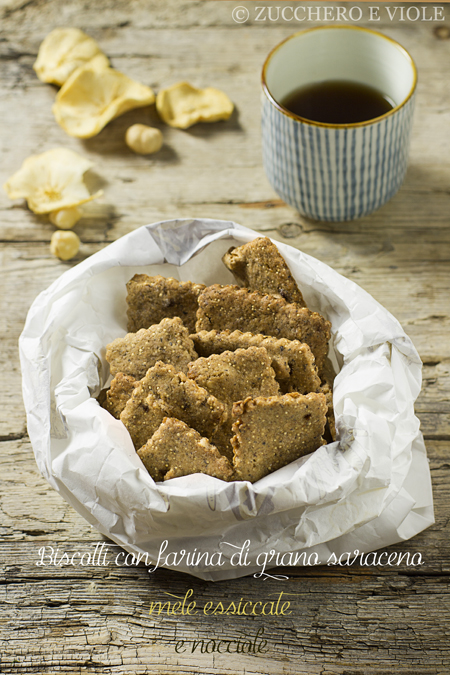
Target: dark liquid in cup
{"x":337,"y":102}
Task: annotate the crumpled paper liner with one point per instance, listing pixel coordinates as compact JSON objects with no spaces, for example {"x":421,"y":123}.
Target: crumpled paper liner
{"x":369,"y":490}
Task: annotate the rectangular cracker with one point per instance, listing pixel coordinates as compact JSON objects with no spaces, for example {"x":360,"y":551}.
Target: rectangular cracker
{"x":259,"y":266}
{"x":120,"y":390}
{"x":164,"y":392}
{"x":272,"y":432}
{"x":151,"y":299}
{"x":181,"y":397}
{"x":177,"y":450}
{"x":230,"y":377}
{"x":166,"y":341}
{"x":234,"y":308}
{"x":292,"y":361}
{"x":142,"y":416}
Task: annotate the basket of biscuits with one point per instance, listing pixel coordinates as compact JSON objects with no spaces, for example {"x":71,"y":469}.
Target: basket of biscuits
{"x":198,"y":384}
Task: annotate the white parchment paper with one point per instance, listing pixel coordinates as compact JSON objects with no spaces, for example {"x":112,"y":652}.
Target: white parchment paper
{"x":369,"y":490}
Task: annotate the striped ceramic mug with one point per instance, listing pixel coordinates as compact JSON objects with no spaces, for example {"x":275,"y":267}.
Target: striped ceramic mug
{"x":337,"y":171}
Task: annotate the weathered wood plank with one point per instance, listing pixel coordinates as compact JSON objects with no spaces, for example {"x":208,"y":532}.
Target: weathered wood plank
{"x":350,"y":629}
{"x":147,"y":54}
{"x":357,"y":620}
{"x":412,"y":216}
{"x":368,"y":623}
{"x":34,"y":515}
{"x":97,"y":617}
{"x":425,"y":317}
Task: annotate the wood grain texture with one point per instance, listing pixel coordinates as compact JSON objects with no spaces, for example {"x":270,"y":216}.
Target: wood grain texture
{"x":96,"y":618}
{"x":87,"y":619}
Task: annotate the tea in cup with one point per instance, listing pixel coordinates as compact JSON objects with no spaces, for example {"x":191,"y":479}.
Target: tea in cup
{"x":337,"y":113}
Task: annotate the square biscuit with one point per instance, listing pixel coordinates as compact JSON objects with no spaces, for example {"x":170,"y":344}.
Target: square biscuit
{"x":142,"y":416}
{"x":151,"y":299}
{"x":259,"y":266}
{"x":232,"y":376}
{"x":177,"y":450}
{"x":120,"y":390}
{"x":182,"y":398}
{"x":135,"y":353}
{"x":234,"y":308}
{"x":272,"y":432}
{"x":292,"y":361}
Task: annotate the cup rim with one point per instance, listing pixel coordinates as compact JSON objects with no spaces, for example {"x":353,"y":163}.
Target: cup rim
{"x":305,"y":120}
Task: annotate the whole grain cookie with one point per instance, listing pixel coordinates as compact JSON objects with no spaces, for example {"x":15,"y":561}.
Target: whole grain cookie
{"x":142,"y":416}
{"x":164,"y":392}
{"x":166,"y":341}
{"x":151,"y":299}
{"x":120,"y":390}
{"x":259,"y":266}
{"x":182,"y":397}
{"x":177,"y":450}
{"x":234,"y":308}
{"x":292,"y":361}
{"x":232,"y":376}
{"x":272,"y":432}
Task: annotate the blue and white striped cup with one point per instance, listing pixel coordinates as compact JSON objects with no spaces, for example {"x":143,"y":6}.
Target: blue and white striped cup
{"x":337,"y":171}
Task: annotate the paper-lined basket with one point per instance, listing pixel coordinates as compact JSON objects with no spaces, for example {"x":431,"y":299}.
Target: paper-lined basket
{"x":370,"y":489}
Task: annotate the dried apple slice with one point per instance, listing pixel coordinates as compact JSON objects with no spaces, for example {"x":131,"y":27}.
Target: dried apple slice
{"x":51,"y":181}
{"x":63,"y":51}
{"x":183,"y":105}
{"x":93,"y":96}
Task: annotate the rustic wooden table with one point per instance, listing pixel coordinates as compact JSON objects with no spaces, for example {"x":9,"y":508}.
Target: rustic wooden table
{"x":95,"y":618}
